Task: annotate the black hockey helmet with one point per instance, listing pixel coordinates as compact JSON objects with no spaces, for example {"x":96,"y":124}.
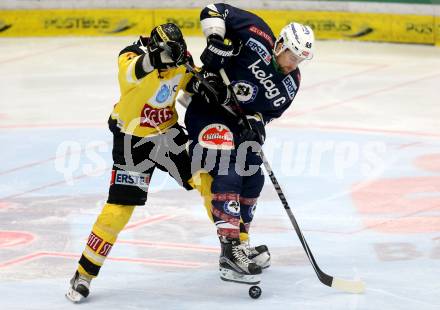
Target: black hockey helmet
{"x":169,"y":38}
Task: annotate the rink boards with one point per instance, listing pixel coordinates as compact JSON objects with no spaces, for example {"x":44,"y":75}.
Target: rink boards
{"x":379,"y":27}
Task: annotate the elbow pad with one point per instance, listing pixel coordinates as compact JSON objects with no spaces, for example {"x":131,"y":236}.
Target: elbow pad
{"x":214,"y":24}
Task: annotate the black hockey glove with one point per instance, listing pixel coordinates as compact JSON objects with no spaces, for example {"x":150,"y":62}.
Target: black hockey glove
{"x":167,"y":55}
{"x":256,"y":133}
{"x":142,"y":43}
{"x":216,"y":53}
{"x":177,"y":52}
{"x":218,"y":94}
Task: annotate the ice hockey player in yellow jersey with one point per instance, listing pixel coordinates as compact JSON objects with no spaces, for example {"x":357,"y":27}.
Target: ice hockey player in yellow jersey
{"x":151,"y":73}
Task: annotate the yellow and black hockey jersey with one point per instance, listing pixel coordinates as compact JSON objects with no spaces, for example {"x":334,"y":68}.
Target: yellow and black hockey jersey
{"x":147,"y":103}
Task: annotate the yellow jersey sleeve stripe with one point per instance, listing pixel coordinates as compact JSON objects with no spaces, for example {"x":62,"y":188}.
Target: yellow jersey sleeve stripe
{"x":130,"y":75}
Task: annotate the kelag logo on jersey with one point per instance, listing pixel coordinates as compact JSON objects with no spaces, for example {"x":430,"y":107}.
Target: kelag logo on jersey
{"x":271,"y":90}
{"x":163,"y":94}
{"x":260,"y":49}
{"x":246,"y":91}
{"x":290,"y":85}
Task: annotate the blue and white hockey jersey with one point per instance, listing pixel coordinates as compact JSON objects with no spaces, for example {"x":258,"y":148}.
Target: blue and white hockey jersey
{"x":258,"y":83}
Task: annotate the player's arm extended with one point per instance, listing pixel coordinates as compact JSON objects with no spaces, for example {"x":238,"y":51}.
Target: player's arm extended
{"x":134,"y":64}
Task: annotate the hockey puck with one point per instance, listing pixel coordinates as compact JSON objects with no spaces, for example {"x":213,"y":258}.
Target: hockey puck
{"x":255,"y":292}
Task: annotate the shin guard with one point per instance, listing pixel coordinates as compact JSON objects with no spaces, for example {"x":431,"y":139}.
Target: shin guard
{"x":109,"y":223}
{"x":226,"y":214}
{"x":247,"y":210}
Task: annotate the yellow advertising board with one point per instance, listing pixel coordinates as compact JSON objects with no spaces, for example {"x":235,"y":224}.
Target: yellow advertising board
{"x":358,"y":26}
{"x":25,"y":23}
{"x":327,"y":25}
{"x":437,"y":31}
{"x":412,"y":29}
{"x":187,"y":19}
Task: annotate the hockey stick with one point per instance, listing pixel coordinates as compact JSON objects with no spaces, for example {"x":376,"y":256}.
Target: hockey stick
{"x":351,"y":286}
{"x":200,"y":78}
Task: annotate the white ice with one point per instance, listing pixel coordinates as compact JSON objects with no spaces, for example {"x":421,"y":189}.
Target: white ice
{"x":357,"y":154}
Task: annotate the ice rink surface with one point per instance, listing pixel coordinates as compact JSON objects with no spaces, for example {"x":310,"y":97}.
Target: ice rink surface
{"x":357,"y":154}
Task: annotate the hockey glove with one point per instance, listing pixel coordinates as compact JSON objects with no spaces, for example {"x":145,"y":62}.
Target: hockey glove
{"x":216,"y":53}
{"x":219,"y":94}
{"x":142,"y":43}
{"x":176,"y":51}
{"x":167,"y":55}
{"x":256,"y":133}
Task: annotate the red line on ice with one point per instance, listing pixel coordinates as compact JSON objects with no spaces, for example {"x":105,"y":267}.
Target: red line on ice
{"x":32,"y":164}
{"x":149,"y":220}
{"x":39,"y":162}
{"x":407,"y":145}
{"x":15,"y":238}
{"x":171,"y":245}
{"x":20,"y":259}
{"x":152,"y":262}
{"x":45,"y":186}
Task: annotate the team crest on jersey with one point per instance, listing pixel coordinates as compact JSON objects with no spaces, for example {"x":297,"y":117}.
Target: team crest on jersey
{"x":216,"y":136}
{"x":165,"y":92}
{"x":232,"y":207}
{"x":260,"y":49}
{"x":246,"y":91}
{"x":252,"y":211}
{"x":290,"y":85}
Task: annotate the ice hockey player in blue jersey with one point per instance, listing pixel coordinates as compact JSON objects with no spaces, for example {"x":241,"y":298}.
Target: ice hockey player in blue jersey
{"x":265,"y":76}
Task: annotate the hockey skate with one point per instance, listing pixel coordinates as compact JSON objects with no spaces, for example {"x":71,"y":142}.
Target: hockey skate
{"x":79,"y":288}
{"x":260,"y":255}
{"x":235,"y":266}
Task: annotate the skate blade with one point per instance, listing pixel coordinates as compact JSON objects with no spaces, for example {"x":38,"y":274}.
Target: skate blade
{"x":233,"y":276}
{"x":74,"y":296}
{"x":265,"y":266}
